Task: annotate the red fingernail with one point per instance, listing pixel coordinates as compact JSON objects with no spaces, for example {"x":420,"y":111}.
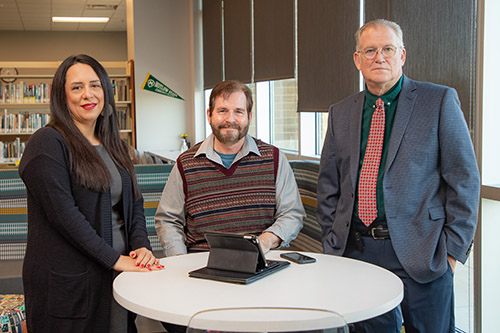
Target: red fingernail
{"x":142,"y":265}
{"x":148,"y":266}
{"x":149,"y":269}
{"x":137,"y":264}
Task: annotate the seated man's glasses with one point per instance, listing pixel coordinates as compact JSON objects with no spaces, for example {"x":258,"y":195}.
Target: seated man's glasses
{"x":371,"y":52}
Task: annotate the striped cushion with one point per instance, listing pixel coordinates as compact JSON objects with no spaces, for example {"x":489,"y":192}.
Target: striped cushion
{"x":152,"y":179}
{"x":306,"y":175}
{"x":13,"y":207}
{"x":13,"y":215}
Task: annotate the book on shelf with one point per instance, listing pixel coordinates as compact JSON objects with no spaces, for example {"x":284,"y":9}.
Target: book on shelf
{"x":22,"y":93}
{"x":11,"y":151}
{"x":22,"y":122}
{"x":124,"y":121}
{"x":121,"y":90}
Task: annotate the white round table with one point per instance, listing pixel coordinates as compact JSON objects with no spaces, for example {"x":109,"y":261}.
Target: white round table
{"x":355,"y":289}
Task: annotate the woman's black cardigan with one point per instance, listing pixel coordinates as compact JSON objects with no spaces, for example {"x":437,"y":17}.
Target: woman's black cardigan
{"x":67,"y":272}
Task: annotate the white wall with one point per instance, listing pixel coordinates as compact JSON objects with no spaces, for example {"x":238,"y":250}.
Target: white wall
{"x":163,"y":46}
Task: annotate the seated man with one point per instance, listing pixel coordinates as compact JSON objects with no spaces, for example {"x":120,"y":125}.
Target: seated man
{"x":230,"y":182}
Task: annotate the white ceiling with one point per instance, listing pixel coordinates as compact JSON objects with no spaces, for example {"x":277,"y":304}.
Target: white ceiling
{"x":36,"y":15}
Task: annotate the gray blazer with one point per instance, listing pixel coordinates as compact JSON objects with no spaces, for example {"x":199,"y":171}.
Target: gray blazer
{"x":431,"y":181}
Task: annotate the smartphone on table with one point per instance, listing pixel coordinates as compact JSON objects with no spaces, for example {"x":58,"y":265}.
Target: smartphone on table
{"x":298,"y":258}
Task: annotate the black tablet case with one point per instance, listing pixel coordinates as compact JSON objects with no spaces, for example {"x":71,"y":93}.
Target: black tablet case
{"x":236,"y":259}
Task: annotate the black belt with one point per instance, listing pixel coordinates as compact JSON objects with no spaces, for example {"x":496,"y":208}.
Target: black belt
{"x":375,"y":233}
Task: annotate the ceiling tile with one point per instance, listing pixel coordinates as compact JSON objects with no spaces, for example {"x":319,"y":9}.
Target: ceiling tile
{"x":98,"y":13}
{"x":105,"y":2}
{"x":24,"y":2}
{"x":37,"y":14}
{"x":68,"y":7}
{"x":119,"y":26}
{"x":8,"y":6}
{"x":70,"y":2}
{"x":41,"y":8}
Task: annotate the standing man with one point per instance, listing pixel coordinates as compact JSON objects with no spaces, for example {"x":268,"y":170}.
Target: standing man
{"x":399,"y":184}
{"x":230,"y":182}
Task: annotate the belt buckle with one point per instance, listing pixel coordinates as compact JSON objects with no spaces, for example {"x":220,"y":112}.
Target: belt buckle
{"x":372,"y":232}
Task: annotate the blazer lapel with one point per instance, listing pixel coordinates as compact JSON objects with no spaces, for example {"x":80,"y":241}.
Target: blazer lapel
{"x":404,"y":110}
{"x":355,"y":124}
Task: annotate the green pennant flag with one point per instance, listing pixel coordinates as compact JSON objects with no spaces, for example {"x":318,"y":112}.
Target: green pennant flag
{"x":152,"y":84}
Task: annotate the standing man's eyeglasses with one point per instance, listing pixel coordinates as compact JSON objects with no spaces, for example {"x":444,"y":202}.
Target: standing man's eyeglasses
{"x":371,"y":52}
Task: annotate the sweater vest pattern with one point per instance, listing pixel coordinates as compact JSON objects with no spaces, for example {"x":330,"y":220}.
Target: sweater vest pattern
{"x":240,"y":199}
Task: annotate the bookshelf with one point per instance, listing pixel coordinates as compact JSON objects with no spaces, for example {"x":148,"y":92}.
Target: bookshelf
{"x":25,"y":102}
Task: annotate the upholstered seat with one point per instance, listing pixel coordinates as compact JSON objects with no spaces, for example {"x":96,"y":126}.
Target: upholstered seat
{"x":13,"y":215}
{"x":152,"y":179}
{"x":306,"y":175}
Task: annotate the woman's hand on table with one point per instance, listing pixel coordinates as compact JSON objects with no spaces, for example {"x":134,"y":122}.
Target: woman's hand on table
{"x":139,"y":260}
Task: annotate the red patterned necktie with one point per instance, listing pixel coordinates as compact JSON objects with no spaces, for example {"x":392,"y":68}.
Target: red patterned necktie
{"x":367,"y":200}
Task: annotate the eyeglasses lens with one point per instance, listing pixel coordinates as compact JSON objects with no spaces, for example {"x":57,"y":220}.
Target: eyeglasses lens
{"x":387,"y":52}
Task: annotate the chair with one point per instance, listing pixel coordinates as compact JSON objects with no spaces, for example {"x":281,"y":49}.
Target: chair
{"x":306,"y":176}
{"x":151,"y":179}
{"x":267,"y":319}
{"x":13,"y":216}
{"x":147,"y":158}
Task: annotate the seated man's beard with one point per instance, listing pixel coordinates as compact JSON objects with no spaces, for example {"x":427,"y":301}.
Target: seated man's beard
{"x":230,"y":138}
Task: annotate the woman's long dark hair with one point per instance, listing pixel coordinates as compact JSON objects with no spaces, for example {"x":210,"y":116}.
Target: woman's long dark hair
{"x":85,"y":161}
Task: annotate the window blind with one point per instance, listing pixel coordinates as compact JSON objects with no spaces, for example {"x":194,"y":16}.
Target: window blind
{"x":326,"y":70}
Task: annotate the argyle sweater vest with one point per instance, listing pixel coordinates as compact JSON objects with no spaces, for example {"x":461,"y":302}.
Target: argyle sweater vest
{"x":240,"y":199}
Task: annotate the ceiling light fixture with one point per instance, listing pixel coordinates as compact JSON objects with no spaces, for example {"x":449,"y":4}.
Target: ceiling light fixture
{"x":81,"y":19}
{"x":95,"y":6}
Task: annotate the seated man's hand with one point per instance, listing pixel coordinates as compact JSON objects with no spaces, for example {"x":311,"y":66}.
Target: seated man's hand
{"x":269,"y":241}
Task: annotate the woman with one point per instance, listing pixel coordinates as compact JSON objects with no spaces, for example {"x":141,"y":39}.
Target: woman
{"x":85,"y":211}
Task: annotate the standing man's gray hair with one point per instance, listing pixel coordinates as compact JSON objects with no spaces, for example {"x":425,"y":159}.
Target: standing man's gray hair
{"x":380,"y":23}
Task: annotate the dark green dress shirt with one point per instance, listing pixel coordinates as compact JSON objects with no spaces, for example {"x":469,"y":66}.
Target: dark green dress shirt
{"x":390,"y":99}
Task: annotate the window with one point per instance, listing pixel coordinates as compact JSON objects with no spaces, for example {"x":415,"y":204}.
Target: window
{"x":283,"y":113}
{"x":487,"y":261}
{"x":313,"y":126}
